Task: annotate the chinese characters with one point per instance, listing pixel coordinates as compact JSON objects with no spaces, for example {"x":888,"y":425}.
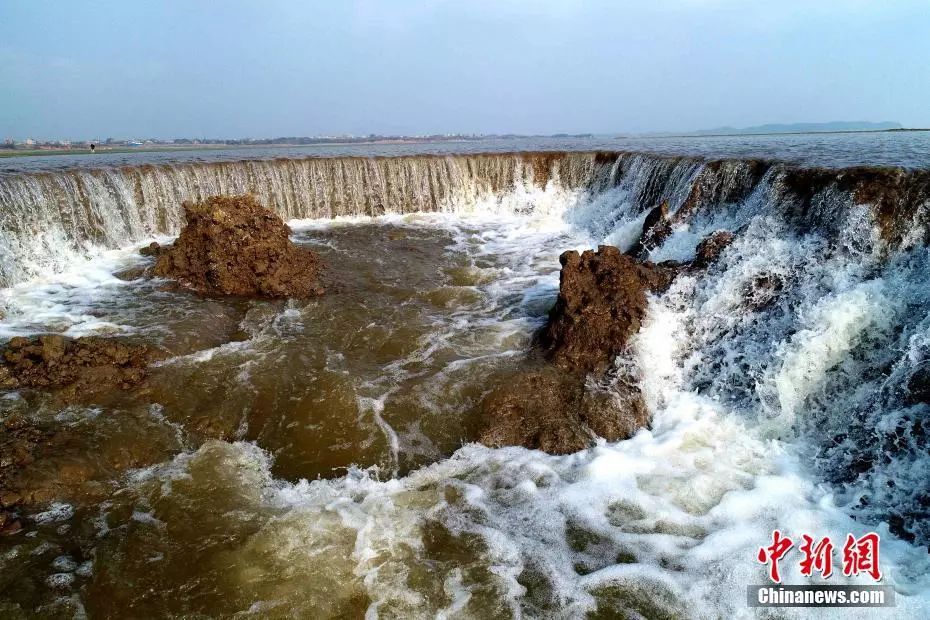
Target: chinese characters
{"x":860,"y":555}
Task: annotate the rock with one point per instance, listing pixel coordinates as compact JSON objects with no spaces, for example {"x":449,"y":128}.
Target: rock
{"x":710,"y":248}
{"x":554,"y":411}
{"x":86,"y":364}
{"x":21,"y":441}
{"x":44,"y":461}
{"x":9,"y":523}
{"x":536,"y":410}
{"x":231,"y":245}
{"x":601,"y":304}
{"x":615,"y":411}
{"x":132,"y":273}
{"x":656,"y":228}
{"x":894,"y":194}
{"x":559,"y":407}
{"x":153,"y":249}
{"x":7,"y":382}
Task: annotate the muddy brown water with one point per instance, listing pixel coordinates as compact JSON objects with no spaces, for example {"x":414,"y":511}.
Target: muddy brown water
{"x":142,"y":505}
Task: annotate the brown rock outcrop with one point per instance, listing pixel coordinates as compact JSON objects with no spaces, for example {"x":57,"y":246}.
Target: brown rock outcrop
{"x":656,"y":228}
{"x":82,"y":365}
{"x":710,"y":248}
{"x":153,"y":249}
{"x":555,"y":408}
{"x":601,"y":303}
{"x":232,"y":245}
{"x":895,"y":194}
{"x":554,"y":411}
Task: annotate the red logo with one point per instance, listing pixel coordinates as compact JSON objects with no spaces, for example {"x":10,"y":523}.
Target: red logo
{"x":817,"y":557}
{"x":775,"y":552}
{"x":860,"y":555}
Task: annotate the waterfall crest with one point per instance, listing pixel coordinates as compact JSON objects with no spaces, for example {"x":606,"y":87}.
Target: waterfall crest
{"x":50,"y":219}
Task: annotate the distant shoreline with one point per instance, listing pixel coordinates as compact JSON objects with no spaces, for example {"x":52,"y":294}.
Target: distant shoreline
{"x":167,"y":148}
{"x":203,"y":147}
{"x":777,"y":133}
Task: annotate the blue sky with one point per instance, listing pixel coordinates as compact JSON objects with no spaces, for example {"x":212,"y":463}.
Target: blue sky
{"x":257,"y":69}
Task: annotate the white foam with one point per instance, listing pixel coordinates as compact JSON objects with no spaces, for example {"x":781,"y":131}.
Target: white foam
{"x":64,"y":300}
{"x":832,"y":328}
{"x":56,"y":513}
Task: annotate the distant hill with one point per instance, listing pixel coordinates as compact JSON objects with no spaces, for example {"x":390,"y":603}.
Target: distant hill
{"x":802,"y":128}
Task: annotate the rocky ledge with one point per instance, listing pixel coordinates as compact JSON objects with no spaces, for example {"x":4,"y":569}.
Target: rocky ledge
{"x":76,"y":365}
{"x":560,"y":412}
{"x":73,"y":370}
{"x":578,"y":392}
{"x":232,"y":245}
{"x":601,"y":304}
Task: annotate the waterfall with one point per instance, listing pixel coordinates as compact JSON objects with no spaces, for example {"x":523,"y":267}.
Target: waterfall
{"x":50,"y":219}
{"x":47,"y":220}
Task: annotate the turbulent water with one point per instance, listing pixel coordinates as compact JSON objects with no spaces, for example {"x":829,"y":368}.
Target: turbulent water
{"x":315,"y":458}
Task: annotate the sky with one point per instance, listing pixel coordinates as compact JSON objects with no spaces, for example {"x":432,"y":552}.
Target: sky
{"x":237,"y":69}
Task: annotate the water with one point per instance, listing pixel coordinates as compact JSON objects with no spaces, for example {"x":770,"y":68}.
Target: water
{"x":314,"y":458}
{"x":909,"y":149}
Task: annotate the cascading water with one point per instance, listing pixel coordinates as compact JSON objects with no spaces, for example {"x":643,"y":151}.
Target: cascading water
{"x":49,"y":219}
{"x":785,"y":385}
